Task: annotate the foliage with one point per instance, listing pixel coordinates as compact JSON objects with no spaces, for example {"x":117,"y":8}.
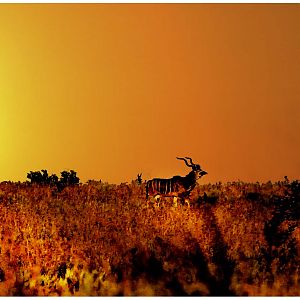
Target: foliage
{"x":68,"y":178}
{"x":99,"y":239}
{"x":39,"y":177}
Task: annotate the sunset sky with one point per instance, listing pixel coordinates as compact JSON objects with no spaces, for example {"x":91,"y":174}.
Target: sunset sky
{"x":112,"y":90}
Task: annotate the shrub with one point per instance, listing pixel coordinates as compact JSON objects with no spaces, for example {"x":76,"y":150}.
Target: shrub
{"x":68,"y":178}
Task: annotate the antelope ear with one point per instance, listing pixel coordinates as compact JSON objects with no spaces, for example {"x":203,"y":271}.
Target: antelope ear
{"x":202,"y":173}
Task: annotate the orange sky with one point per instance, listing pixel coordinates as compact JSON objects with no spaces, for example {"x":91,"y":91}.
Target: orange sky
{"x":111,"y":90}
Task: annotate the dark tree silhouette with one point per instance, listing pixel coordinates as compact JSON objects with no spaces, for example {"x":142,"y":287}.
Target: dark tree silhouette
{"x":35,"y":177}
{"x":42,"y":178}
{"x":53,"y":180}
{"x":67,"y":179}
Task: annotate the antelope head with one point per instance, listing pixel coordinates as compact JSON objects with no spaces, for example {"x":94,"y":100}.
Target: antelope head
{"x":195,"y":167}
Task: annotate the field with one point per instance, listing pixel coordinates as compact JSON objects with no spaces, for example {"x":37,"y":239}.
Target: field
{"x":99,"y":239}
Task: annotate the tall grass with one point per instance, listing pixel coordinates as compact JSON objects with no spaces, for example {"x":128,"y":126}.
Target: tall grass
{"x":102,"y":239}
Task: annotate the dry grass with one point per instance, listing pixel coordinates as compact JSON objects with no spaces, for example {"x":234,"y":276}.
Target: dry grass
{"x":101,"y":239}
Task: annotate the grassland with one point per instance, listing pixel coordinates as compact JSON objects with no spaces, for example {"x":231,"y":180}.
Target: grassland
{"x":101,"y":239}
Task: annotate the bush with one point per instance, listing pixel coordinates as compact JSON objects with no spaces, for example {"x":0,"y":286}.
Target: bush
{"x":42,"y":178}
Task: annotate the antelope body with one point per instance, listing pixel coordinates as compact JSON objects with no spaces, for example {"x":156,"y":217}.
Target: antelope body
{"x":177,"y":186}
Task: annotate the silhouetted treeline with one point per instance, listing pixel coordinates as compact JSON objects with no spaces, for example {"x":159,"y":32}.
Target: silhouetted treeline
{"x":68,"y":178}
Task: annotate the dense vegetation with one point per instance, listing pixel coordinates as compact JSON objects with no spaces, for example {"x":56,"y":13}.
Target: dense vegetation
{"x":102,"y":239}
{"x":68,"y":178}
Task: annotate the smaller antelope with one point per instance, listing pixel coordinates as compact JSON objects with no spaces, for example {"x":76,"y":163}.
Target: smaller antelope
{"x":139,"y":179}
{"x":177,"y":186}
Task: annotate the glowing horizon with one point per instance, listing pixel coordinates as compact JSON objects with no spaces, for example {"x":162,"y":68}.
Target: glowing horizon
{"x":113,"y":90}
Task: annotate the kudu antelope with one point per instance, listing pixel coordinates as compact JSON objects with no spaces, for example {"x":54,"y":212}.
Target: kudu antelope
{"x":177,"y":186}
{"x":139,"y":179}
